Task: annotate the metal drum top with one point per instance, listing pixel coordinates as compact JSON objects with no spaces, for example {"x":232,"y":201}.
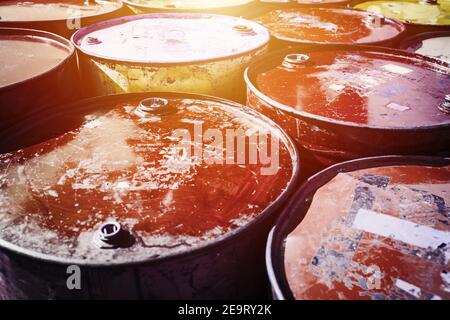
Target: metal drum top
{"x":415,"y":12}
{"x":37,"y":69}
{"x":330,"y":25}
{"x":321,"y":2}
{"x":128,"y":178}
{"x":373,"y":228}
{"x":362,"y":87}
{"x":432,"y":44}
{"x":171,"y":38}
{"x":186,"y":5}
{"x":54,"y":10}
{"x":26,"y":54}
{"x":308,"y":2}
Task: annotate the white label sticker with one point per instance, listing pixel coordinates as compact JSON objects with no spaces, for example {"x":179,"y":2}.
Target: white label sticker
{"x":93,"y":124}
{"x":400,"y":230}
{"x":412,"y":289}
{"x":336,"y":87}
{"x":396,"y":69}
{"x":408,"y":287}
{"x":398,"y":107}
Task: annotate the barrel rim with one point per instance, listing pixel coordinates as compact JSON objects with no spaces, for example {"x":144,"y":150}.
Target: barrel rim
{"x":401,"y":28}
{"x":220,"y":242}
{"x":81,"y":33}
{"x":149,"y":7}
{"x":43,"y":34}
{"x":119,"y":3}
{"x":295,"y":211}
{"x":255,"y":65}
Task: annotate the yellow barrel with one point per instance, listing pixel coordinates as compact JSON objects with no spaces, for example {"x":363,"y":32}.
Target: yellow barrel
{"x":417,"y":14}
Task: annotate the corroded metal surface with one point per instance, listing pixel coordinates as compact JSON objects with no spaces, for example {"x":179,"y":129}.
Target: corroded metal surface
{"x":374,"y":233}
{"x":169,"y":52}
{"x":364,"y":101}
{"x":330,"y":25}
{"x":126,"y":166}
{"x":142,"y":6}
{"x":115,"y":172}
{"x":221,"y":78}
{"x":432,"y":44}
{"x":414,"y":12}
{"x":372,"y":228}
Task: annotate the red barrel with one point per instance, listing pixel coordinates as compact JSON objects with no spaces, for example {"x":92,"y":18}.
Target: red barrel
{"x":38,"y":69}
{"x":308,"y":25}
{"x":343,"y":102}
{"x":265,"y":6}
{"x":374,"y":228}
{"x":151,"y":195}
{"x":60,"y":17}
{"x":321,"y":3}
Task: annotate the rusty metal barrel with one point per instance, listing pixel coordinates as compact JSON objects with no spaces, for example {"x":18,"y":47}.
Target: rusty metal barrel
{"x":147,"y":195}
{"x":322,"y":26}
{"x":309,"y":3}
{"x":229,"y":7}
{"x":418,"y":15}
{"x":266,"y":6}
{"x":374,"y":228}
{"x":60,"y":17}
{"x":197,"y":53}
{"x":345,"y":102}
{"x":433,"y":44}
{"x":38,"y":69}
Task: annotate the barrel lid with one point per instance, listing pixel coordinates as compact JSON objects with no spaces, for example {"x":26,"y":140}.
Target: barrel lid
{"x":420,"y":12}
{"x":432,"y":44}
{"x":355,"y":86}
{"x":329,"y":25}
{"x":171,"y":38}
{"x":27,"y":54}
{"x":307,"y":2}
{"x":186,"y":5}
{"x":147,"y":175}
{"x":320,"y":1}
{"x":375,"y":228}
{"x":54,"y":10}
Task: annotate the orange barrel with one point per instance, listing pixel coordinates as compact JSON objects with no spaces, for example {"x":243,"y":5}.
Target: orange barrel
{"x":150,"y":195}
{"x":309,"y":3}
{"x":374,"y":228}
{"x":312,"y":26}
{"x":346,"y":102}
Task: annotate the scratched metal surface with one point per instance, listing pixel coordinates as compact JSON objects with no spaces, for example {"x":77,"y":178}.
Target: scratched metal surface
{"x":5,"y":289}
